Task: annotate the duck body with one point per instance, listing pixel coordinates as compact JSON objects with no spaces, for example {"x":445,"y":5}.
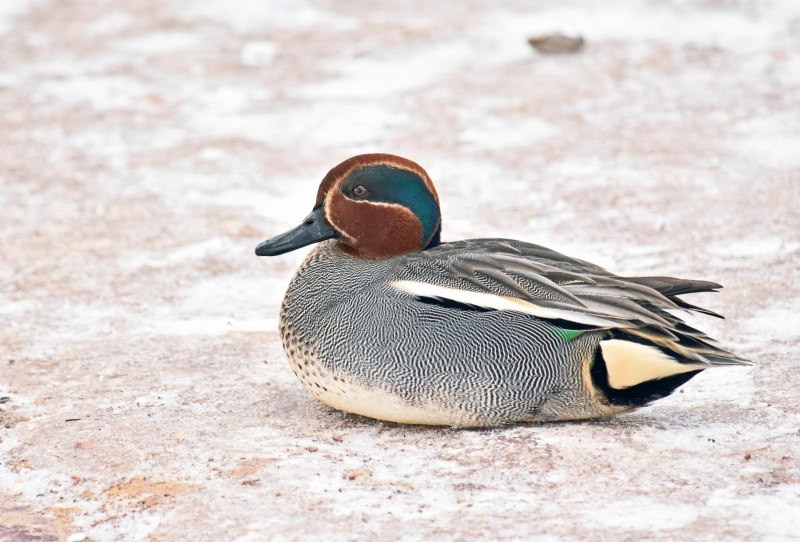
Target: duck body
{"x":473,"y":333}
{"x":361,"y":345}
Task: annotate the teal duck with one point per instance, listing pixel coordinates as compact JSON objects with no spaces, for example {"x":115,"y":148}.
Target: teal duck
{"x":384,"y":320}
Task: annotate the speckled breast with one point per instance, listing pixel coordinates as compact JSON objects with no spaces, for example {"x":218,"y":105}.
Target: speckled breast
{"x":324,"y":281}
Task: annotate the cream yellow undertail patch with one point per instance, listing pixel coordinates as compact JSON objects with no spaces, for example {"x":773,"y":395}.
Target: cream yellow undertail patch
{"x":502,"y":303}
{"x":629,"y":363}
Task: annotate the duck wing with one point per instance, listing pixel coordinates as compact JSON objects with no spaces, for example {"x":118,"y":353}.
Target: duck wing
{"x":572,"y":294}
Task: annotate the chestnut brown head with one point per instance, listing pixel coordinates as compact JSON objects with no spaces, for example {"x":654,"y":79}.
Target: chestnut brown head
{"x":375,"y":205}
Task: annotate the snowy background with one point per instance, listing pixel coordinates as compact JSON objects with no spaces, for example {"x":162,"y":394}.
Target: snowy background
{"x":146,"y":147}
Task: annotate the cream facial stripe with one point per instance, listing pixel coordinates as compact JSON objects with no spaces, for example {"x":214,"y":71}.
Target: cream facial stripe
{"x":503,"y":303}
{"x":329,"y":217}
{"x":629,"y":363}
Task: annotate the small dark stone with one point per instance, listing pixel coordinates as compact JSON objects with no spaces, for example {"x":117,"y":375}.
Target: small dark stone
{"x":556,"y":44}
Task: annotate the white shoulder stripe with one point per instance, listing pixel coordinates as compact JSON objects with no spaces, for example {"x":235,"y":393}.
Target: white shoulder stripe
{"x":502,"y":303}
{"x":629,"y":363}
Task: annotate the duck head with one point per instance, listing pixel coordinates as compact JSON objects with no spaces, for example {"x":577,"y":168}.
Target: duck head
{"x":375,"y":205}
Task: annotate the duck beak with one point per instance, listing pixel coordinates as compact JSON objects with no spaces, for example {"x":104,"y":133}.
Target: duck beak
{"x":313,"y":230}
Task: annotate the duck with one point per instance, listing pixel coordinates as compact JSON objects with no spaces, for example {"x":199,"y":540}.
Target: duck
{"x":384,"y":320}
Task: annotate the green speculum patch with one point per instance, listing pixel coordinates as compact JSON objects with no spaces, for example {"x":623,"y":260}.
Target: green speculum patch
{"x":570,"y":334}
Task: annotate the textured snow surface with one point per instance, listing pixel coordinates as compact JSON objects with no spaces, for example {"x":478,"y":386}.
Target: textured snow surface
{"x":148,"y":146}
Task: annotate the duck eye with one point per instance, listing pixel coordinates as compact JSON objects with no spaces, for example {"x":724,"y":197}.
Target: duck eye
{"x":359,"y":191}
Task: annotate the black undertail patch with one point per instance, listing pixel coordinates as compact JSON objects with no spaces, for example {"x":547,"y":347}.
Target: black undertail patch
{"x":640,"y":394}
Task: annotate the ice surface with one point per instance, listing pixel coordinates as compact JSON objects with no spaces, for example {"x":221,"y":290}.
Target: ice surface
{"x":148,"y":147}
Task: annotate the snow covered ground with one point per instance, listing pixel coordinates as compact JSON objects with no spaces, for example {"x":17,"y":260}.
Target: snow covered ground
{"x":147,"y":146}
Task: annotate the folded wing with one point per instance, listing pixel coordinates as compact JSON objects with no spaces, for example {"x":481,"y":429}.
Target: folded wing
{"x":572,"y":294}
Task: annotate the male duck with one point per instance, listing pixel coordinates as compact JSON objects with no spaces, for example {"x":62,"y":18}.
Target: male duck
{"x":384,"y":320}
